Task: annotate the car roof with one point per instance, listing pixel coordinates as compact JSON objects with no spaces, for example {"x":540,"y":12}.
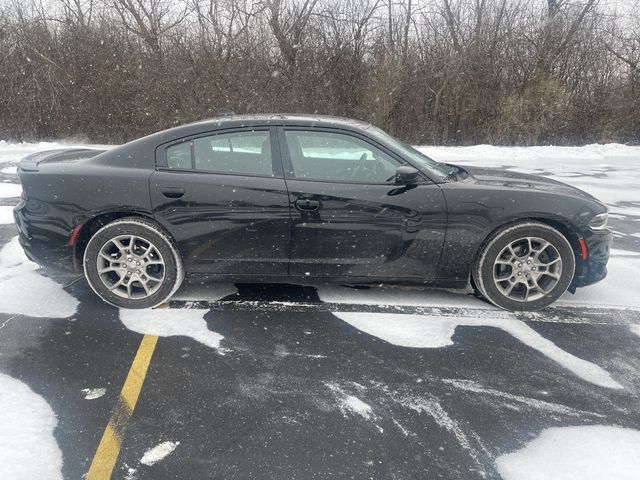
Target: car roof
{"x":282,"y":119}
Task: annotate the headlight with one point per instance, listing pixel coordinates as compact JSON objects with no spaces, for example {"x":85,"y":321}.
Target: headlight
{"x":599,"y":222}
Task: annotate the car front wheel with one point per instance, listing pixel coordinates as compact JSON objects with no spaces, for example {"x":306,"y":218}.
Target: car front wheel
{"x":133,"y":263}
{"x":526,"y":266}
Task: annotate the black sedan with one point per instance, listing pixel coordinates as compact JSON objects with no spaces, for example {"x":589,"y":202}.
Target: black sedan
{"x":287,"y":198}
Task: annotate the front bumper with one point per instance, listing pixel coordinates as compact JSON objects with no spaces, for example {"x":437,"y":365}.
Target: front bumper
{"x":594,"y":268}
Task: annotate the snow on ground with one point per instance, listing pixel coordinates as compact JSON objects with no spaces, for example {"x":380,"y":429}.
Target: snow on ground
{"x":24,"y":291}
{"x":350,"y":404}
{"x":6,"y":215}
{"x":397,"y":295}
{"x":592,"y":452}
{"x":159,"y":452}
{"x":520,"y":401}
{"x":28,"y":448}
{"x":619,"y":289}
{"x":10,"y":190}
{"x":429,"y":331}
{"x":206,"y":291}
{"x":12,"y":153}
{"x":164,"y":322}
{"x":93,"y":393}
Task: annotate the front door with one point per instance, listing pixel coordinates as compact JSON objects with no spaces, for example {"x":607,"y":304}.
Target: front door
{"x":349,"y":218}
{"x":223,"y":198}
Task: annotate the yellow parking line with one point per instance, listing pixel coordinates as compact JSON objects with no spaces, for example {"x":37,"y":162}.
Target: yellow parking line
{"x":107,"y":453}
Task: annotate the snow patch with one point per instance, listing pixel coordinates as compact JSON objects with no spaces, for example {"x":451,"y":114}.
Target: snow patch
{"x":6,"y":215}
{"x":428,"y":331}
{"x":618,"y":289}
{"x":635,"y":329}
{"x":93,"y":393}
{"x":397,"y":295}
{"x":350,"y":404}
{"x":434,"y":409}
{"x":157,"y":453}
{"x":11,"y":170}
{"x":170,"y":322}
{"x":204,"y":291}
{"x":10,"y":190}
{"x":29,"y":449}
{"x":24,"y":291}
{"x":592,"y":452}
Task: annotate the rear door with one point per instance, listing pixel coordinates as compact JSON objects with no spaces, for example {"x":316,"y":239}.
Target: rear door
{"x":223,"y":197}
{"x":349,"y":219}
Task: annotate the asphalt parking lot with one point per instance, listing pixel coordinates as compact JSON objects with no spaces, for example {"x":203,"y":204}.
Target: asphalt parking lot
{"x":308,"y":382}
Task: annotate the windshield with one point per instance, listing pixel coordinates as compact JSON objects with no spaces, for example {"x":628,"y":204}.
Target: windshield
{"x":419,"y":159}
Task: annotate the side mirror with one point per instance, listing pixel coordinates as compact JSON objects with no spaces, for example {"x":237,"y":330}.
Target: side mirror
{"x":406,"y":175}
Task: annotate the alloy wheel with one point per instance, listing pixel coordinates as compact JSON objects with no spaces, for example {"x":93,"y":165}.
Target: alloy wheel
{"x":131,"y":266}
{"x":527,"y":269}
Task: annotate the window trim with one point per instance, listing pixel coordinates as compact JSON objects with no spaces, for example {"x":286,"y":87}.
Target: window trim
{"x":276,"y":159}
{"x":289,"y":173}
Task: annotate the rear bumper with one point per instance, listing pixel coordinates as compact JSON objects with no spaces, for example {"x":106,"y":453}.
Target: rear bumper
{"x":594,"y":268}
{"x":49,"y":251}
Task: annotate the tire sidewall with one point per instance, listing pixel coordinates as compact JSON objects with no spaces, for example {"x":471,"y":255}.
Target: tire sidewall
{"x":145,"y":230}
{"x":484,"y":275}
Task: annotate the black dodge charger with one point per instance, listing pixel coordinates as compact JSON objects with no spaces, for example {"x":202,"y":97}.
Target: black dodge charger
{"x":275,"y":198}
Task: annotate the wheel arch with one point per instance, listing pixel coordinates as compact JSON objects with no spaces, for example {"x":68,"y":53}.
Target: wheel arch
{"x":561,"y":225}
{"x":95,"y":223}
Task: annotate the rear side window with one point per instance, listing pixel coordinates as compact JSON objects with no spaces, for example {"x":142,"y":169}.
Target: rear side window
{"x":239,"y":153}
{"x":179,"y":156}
{"x":247,"y":153}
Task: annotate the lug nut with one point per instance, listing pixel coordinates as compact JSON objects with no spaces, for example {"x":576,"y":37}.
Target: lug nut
{"x":519,"y":273}
{"x":520,"y":265}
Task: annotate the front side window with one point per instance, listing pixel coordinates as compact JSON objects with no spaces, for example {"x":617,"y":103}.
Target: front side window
{"x":336,"y":157}
{"x":240,"y":153}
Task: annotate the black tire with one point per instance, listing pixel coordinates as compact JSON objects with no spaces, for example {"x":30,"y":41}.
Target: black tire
{"x":485,"y":266}
{"x":164,"y":249}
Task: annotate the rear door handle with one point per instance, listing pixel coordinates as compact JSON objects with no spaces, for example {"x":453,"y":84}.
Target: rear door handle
{"x":307,"y":205}
{"x":172,"y":192}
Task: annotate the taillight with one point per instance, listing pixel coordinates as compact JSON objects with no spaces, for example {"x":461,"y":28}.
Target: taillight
{"x":73,"y":237}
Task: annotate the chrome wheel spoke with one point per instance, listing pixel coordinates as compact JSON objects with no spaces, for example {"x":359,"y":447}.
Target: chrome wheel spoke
{"x":552,"y":262}
{"x":109,"y":269}
{"x":154,"y":279}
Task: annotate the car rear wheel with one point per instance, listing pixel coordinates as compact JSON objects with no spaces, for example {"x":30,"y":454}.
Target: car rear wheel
{"x":526,"y":266}
{"x":133,"y":263}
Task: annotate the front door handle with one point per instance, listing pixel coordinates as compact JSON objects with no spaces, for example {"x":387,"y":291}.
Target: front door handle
{"x":306,"y":205}
{"x":172,"y":192}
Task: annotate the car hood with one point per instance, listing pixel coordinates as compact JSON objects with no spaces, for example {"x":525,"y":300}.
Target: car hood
{"x":509,"y":179}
